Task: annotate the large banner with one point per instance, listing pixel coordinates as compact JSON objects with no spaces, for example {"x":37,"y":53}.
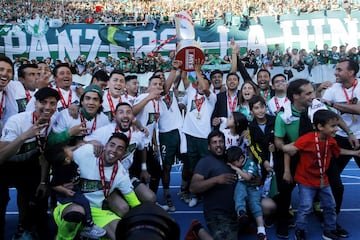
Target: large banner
{"x":37,"y":40}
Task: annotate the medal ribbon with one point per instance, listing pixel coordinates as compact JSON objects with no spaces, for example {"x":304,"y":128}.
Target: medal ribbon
{"x":199,"y":102}
{"x":318,"y":154}
{"x":277,"y":104}
{"x":28,"y":96}
{"x":232,"y":104}
{"x":348,"y":100}
{"x":62,"y":100}
{"x":111,"y":104}
{"x":102,"y":176}
{"x":2,"y":103}
{"x":157,"y":111}
{"x":41,"y":142}
{"x":83,"y":124}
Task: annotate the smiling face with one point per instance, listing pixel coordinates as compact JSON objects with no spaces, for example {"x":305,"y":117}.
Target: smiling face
{"x":116,"y":84}
{"x":217,"y":145}
{"x":63,"y":77}
{"x":216,"y":80}
{"x":45,"y":108}
{"x":247,"y":91}
{"x":259,"y":110}
{"x":6,"y":74}
{"x":124,"y":116}
{"x":91,"y":103}
{"x":132,"y":87}
{"x":232,"y":82}
{"x":263,"y":80}
{"x":342,"y":73}
{"x":330,"y":128}
{"x":114,"y":150}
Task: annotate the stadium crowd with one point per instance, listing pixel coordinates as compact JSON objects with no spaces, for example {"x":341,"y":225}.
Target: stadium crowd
{"x":44,"y":114}
{"x":160,"y":11}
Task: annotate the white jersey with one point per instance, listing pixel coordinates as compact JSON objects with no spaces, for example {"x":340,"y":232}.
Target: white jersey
{"x":149,"y":115}
{"x":197,"y":123}
{"x":276,"y":103}
{"x":136,"y":141}
{"x":170,"y":117}
{"x":16,"y":99}
{"x":110,"y":102}
{"x":90,"y":176}
{"x":64,"y":122}
{"x":64,"y":101}
{"x":335,"y":93}
{"x":17,"y":125}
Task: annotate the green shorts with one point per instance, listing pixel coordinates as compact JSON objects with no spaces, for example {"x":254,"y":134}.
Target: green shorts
{"x":169,"y":146}
{"x":67,"y":230}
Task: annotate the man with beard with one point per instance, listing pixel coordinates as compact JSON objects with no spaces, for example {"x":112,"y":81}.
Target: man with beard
{"x":124,"y":118}
{"x":199,"y":102}
{"x":215,"y":180}
{"x":227,"y":101}
{"x":101,"y":178}
{"x":216,"y":78}
{"x":23,"y":140}
{"x":263,"y":78}
{"x":6,"y":74}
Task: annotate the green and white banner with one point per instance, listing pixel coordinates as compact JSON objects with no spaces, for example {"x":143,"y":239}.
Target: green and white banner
{"x":36,"y":40}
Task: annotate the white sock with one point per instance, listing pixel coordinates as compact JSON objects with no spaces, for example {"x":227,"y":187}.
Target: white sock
{"x":261,"y":230}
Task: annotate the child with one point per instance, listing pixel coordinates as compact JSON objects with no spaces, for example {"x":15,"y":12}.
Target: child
{"x":234,"y":130}
{"x":262,"y":148}
{"x":246,"y":192}
{"x":316,"y":151}
{"x":65,"y":172}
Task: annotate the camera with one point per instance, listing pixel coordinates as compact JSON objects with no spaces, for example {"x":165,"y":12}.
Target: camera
{"x":147,"y":221}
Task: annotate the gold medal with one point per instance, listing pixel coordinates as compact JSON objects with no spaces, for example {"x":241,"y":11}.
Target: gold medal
{"x":198,"y":116}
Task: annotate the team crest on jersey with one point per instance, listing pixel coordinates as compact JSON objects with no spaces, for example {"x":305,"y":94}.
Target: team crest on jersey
{"x":153,"y":117}
{"x":21,"y":104}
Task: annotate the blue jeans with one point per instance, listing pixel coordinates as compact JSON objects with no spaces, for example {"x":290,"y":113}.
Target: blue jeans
{"x":78,"y":198}
{"x":327,"y":203}
{"x":247,"y":195}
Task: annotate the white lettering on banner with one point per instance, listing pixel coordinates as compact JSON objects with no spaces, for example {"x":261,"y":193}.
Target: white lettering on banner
{"x":223,"y":38}
{"x":39,"y":48}
{"x":93,"y":34}
{"x":21,"y":45}
{"x":339,"y":33}
{"x":318,"y":30}
{"x":71,"y":47}
{"x":256,"y":38}
{"x":304,"y":33}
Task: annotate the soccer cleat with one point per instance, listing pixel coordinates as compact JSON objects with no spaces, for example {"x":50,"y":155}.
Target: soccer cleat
{"x":261,"y":236}
{"x":93,"y":232}
{"x":340,"y":232}
{"x":330,"y":235}
{"x":170,"y":204}
{"x":193,"y":202}
{"x":183,"y":195}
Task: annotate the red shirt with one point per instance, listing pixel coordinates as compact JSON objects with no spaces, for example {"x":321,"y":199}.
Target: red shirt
{"x":308,"y":169}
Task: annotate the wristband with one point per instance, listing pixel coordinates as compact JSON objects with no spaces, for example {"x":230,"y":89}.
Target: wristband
{"x":350,"y":132}
{"x":143,"y":167}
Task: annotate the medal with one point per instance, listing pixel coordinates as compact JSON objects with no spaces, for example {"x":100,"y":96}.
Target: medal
{"x":198,"y":116}
{"x":105,"y":205}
